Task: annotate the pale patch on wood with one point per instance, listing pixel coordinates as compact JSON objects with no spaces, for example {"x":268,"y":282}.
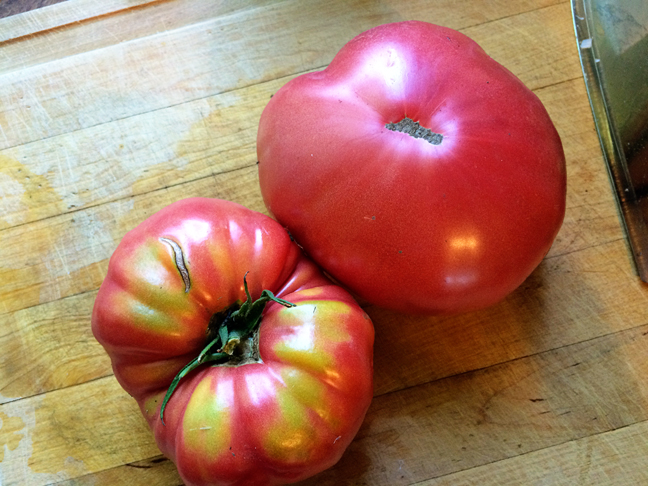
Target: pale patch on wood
{"x":87,"y":240}
{"x":19,"y":419}
{"x":75,"y":431}
{"x":23,"y":192}
{"x":232,"y":51}
{"x":11,"y":433}
{"x":53,"y":16}
{"x":12,"y":209}
{"x":50,"y":346}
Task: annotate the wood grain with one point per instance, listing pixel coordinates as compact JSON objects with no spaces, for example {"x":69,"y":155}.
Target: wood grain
{"x":462,"y":422}
{"x":157,"y":64}
{"x":605,"y":458}
{"x":111,"y":110}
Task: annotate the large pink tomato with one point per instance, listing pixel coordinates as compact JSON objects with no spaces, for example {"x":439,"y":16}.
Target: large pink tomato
{"x":249,"y":365}
{"x":415,"y":170}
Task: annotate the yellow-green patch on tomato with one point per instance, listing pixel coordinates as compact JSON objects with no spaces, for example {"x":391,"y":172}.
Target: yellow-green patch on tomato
{"x":325,"y":315}
{"x":151,"y":405}
{"x":206,"y":426}
{"x":313,"y":393}
{"x":154,"y":267}
{"x":291,"y":434}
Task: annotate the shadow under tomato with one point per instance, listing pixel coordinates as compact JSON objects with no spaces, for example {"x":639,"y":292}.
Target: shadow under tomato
{"x":415,"y":355}
{"x":349,"y":470}
{"x":412,"y":350}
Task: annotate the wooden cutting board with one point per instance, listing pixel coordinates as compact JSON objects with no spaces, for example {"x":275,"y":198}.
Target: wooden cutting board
{"x":111,"y":110}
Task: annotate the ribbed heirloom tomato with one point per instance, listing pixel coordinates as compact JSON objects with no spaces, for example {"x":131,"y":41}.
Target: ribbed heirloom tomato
{"x":250,"y":367}
{"x":415,"y":170}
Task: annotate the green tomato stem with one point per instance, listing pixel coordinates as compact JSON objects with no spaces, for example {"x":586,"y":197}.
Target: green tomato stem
{"x":236,"y":326}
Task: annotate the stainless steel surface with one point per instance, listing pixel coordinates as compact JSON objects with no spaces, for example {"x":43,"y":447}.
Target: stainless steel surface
{"x":613,"y":46}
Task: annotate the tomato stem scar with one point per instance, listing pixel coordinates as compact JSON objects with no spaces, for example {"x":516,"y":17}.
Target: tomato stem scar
{"x":178,"y":257}
{"x":414,"y":129}
{"x":227,"y":332}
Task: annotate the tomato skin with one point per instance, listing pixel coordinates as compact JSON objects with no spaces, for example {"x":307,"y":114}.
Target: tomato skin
{"x":275,"y":420}
{"x":403,"y":223}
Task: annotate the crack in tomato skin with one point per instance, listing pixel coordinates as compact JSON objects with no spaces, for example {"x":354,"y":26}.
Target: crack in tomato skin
{"x":179,"y":260}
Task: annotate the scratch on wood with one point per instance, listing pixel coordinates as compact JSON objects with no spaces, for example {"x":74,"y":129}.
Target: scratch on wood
{"x":138,"y":466}
{"x":586,"y":465}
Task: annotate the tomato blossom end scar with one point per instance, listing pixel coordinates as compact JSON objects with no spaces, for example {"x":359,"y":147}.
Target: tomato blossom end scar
{"x":414,"y":129}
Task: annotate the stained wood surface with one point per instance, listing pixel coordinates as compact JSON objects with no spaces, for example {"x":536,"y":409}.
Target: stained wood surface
{"x":111,"y":110}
